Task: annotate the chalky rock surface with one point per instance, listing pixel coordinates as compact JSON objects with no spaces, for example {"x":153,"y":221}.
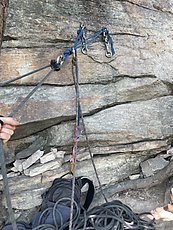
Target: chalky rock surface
{"x":126,"y":100}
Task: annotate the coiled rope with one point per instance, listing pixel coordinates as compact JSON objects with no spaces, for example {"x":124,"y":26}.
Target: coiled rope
{"x":55,"y":212}
{"x":113,"y":216}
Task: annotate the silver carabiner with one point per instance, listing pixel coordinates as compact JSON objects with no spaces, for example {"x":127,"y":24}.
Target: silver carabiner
{"x":60,"y":60}
{"x":83,"y":40}
{"x":107,"y":43}
{"x":108,"y":53}
{"x":84,"y":50}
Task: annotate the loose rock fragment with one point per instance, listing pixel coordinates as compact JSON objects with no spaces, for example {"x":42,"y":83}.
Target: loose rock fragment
{"x":40,"y":168}
{"x":32,"y":159}
{"x":134,"y":177}
{"x":12,"y":174}
{"x":18,"y":165}
{"x":52,"y":156}
{"x":150,"y":166}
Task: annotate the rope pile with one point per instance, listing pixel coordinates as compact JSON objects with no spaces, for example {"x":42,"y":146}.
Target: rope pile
{"x":54,"y":213}
{"x":112,"y":216}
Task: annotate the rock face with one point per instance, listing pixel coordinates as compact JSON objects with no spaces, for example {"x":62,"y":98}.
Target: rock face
{"x":3,"y":15}
{"x":126,"y":100}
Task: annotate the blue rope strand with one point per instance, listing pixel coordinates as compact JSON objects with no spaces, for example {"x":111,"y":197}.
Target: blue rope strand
{"x":78,"y":42}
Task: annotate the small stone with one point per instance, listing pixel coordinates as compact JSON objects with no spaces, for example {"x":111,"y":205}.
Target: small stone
{"x":9,"y":175}
{"x":134,"y":177}
{"x":32,"y":159}
{"x":13,"y":174}
{"x":14,"y":169}
{"x":18,"y":165}
{"x":52,"y":156}
{"x":40,"y":168}
{"x":170,"y":151}
{"x":152,"y":165}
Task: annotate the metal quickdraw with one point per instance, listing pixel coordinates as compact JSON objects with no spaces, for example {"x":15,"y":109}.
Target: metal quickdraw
{"x":108,"y":43}
{"x":83,"y":41}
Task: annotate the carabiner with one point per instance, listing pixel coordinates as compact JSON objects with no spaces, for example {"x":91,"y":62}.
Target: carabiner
{"x":83,"y":40}
{"x":108,"y":53}
{"x":108,"y":43}
{"x":84,"y":50}
{"x":56,"y":64}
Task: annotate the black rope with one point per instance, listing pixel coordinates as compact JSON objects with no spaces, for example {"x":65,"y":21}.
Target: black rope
{"x":6,"y":187}
{"x":76,"y":132}
{"x":23,"y":102}
{"x":113,"y":215}
{"x":92,"y":158}
{"x":79,"y":113}
{"x":54,"y":213}
{"x":25,"y":75}
{"x":2,"y":155}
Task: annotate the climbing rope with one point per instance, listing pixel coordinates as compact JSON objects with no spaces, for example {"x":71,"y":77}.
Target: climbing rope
{"x":81,"y":42}
{"x":75,"y":74}
{"x":54,"y":213}
{"x":24,"y":101}
{"x":6,"y":187}
{"x":76,"y":133}
{"x":80,"y":116}
{"x":2,"y":156}
{"x":25,"y":75}
{"x":113,"y":215}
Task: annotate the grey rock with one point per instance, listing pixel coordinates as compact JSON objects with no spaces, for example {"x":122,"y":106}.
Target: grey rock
{"x":152,"y":165}
{"x":52,"y":155}
{"x":44,"y":107}
{"x":32,"y":159}
{"x":25,"y":188}
{"x":27,"y":199}
{"x":123,"y":124}
{"x":18,"y":165}
{"x":40,"y":168}
{"x":126,"y":100}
